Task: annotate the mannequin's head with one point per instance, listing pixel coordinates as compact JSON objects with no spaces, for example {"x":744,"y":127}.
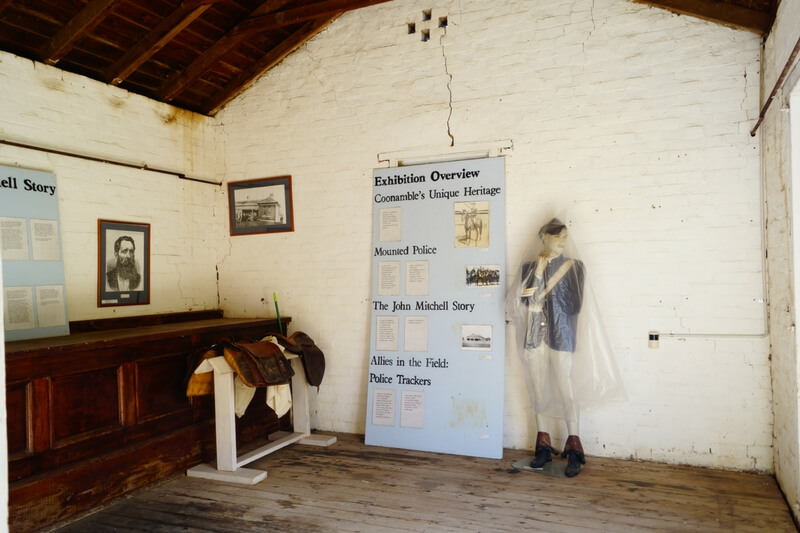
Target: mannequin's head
{"x":554,"y":236}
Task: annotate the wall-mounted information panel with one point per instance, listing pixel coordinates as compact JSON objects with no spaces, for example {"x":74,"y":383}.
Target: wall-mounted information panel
{"x":34,"y":293}
{"x":437,"y":341}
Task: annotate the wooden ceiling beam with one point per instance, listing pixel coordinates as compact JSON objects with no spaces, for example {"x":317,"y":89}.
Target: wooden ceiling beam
{"x":155,"y":40}
{"x":172,"y":87}
{"x":275,"y":56}
{"x":82,"y":23}
{"x":328,"y":8}
{"x":258,"y":21}
{"x":728,"y":14}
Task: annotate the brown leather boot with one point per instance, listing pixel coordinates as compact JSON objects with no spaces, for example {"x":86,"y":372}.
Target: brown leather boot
{"x":543,"y":450}
{"x":573,"y":452}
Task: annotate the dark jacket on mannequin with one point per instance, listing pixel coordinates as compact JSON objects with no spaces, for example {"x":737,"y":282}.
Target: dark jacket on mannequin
{"x":557,"y":322}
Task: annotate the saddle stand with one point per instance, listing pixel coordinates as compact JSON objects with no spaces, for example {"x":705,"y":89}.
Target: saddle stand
{"x":228,"y":465}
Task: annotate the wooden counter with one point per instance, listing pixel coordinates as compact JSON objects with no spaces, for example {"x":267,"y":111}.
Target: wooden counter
{"x":102,"y":412}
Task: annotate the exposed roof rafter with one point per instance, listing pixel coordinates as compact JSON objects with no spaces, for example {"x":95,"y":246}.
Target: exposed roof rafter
{"x":199,"y":66}
{"x":155,"y":40}
{"x":259,"y":21}
{"x":199,"y":54}
{"x":275,"y":56}
{"x":740,"y":16}
{"x":271,"y":21}
{"x":82,"y":23}
{"x":194,"y":54}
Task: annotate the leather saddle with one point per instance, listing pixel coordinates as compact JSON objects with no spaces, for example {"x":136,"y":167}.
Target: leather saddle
{"x":311,"y":356}
{"x":257,"y":363}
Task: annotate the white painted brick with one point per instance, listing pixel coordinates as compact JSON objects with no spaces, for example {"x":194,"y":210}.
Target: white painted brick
{"x":98,"y":120}
{"x":611,"y":110}
{"x":598,"y":127}
{"x":783,"y":316}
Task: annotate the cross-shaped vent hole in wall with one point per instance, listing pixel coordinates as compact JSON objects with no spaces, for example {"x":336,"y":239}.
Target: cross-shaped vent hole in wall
{"x":423,"y":26}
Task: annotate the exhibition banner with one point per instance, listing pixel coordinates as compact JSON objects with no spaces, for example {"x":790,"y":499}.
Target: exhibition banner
{"x":437,"y":340}
{"x":34,"y":295}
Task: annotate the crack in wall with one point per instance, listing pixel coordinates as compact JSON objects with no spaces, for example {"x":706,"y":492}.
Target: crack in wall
{"x":219,"y":302}
{"x":449,"y":90}
{"x":589,"y":35}
{"x":221,"y":258}
{"x":744,"y":95}
{"x":321,"y":79}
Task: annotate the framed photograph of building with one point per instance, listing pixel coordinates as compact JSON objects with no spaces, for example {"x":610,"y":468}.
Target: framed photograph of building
{"x":123,"y":266}
{"x":261,"y":206}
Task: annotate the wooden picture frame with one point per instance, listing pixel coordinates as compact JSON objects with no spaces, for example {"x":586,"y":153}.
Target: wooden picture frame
{"x":261,"y":206}
{"x":123,"y":263}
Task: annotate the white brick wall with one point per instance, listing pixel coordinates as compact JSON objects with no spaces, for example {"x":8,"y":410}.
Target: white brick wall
{"x":781,"y":196}
{"x":44,"y":106}
{"x":3,"y":423}
{"x":631,"y":121}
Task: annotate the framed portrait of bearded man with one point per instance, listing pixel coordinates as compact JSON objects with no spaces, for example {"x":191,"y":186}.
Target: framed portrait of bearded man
{"x":123,"y":267}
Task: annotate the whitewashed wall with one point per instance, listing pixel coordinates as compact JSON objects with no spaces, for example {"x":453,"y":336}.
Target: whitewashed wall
{"x":3,"y":424}
{"x":46,"y":107}
{"x":781,"y":175}
{"x":631,"y":122}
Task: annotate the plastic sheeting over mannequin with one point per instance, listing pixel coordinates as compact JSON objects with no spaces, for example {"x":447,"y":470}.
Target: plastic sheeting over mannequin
{"x":568,"y":361}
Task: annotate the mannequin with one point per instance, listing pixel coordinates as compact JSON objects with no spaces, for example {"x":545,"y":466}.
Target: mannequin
{"x":552,"y":292}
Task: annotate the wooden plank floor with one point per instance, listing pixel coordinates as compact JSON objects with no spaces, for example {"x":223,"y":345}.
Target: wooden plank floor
{"x":353,"y":487}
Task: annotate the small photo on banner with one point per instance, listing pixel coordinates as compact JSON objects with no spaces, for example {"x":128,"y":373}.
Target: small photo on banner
{"x":476,"y":337}
{"x":482,"y":275}
{"x":471,"y":224}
